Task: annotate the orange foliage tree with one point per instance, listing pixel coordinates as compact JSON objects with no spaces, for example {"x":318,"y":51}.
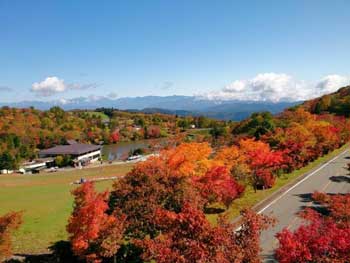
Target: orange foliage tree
{"x":327,"y":136}
{"x":188,"y":158}
{"x":230,"y":156}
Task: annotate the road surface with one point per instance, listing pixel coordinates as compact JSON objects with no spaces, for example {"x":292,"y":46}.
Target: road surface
{"x":331,"y":177}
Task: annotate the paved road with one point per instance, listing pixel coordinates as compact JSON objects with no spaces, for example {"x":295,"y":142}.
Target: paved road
{"x":331,"y":177}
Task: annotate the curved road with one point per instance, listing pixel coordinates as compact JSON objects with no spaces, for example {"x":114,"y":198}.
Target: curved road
{"x":331,"y":177}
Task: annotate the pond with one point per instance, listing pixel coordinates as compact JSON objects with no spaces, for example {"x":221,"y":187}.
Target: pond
{"x":119,"y":150}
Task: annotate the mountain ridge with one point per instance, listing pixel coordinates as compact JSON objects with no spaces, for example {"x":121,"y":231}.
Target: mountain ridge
{"x":175,"y":104}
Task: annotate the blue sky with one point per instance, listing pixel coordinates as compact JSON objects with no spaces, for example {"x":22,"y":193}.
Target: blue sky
{"x":136,"y":48}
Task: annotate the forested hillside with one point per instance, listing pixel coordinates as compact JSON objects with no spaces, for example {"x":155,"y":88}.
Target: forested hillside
{"x":24,"y":131}
{"x":337,"y":103}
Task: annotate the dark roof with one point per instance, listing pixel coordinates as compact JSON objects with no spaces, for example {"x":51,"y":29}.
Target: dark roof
{"x":73,"y":149}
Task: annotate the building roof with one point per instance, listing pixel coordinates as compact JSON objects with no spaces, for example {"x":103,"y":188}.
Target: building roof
{"x":72,"y":149}
{"x":71,"y":142}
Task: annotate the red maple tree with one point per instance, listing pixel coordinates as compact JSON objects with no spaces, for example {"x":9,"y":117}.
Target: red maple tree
{"x":93,"y":233}
{"x":115,"y":136}
{"x":326,"y":238}
{"x":217,"y":185}
{"x":149,"y":186}
{"x":264,"y":164}
{"x":189,"y":237}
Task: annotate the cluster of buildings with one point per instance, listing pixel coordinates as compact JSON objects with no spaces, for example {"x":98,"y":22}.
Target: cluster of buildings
{"x":80,"y":154}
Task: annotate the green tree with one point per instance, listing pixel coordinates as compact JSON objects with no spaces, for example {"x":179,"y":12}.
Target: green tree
{"x":183,"y":123}
{"x":218,"y":131}
{"x":59,"y":161}
{"x":7,"y":161}
{"x":258,"y":124}
{"x":140,"y":121}
{"x":202,"y":122}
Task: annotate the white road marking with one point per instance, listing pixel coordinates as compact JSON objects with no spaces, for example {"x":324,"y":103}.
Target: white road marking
{"x":324,"y":188}
{"x":303,"y":180}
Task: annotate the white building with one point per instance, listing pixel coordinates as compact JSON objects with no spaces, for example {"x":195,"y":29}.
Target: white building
{"x":80,"y":153}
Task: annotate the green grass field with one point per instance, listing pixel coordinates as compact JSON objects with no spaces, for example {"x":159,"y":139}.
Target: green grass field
{"x":98,"y":114}
{"x":47,"y":203}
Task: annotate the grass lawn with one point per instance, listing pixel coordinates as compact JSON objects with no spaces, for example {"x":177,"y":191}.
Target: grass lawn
{"x":98,"y":114}
{"x":199,"y":131}
{"x":250,"y":198}
{"x":47,"y":203}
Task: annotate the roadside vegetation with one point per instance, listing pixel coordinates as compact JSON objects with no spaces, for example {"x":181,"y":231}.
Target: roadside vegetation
{"x":252,"y":198}
{"x":325,"y":236}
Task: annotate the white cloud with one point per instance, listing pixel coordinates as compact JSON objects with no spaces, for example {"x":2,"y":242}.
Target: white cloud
{"x":49,"y":86}
{"x":277,"y":87}
{"x":53,"y":85}
{"x":331,"y":83}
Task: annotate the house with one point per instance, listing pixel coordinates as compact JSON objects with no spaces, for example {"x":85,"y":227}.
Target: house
{"x":36,"y":166}
{"x":6,"y":171}
{"x":80,"y":153}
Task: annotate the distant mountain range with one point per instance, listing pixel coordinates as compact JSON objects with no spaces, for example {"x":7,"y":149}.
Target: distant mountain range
{"x":180,"y":105}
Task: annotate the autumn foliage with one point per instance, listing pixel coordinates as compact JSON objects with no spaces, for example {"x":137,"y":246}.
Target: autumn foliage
{"x":188,"y":237}
{"x":24,"y":131}
{"x":325,"y":238}
{"x":217,"y":185}
{"x":156,"y":212}
{"x":93,"y":233}
{"x":149,"y":186}
{"x":115,"y":136}
{"x":188,"y":158}
{"x":252,"y":161}
{"x":8,"y":223}
{"x":164,"y":211}
{"x":303,"y":137}
{"x":263,"y":161}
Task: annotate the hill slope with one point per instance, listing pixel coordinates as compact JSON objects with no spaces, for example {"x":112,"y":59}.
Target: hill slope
{"x":337,"y":102}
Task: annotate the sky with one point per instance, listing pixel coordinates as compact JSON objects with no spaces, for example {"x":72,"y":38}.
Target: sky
{"x":247,"y":50}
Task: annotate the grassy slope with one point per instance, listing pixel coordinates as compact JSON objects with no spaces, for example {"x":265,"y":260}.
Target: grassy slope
{"x":47,"y":203}
{"x":250,"y":198}
{"x":98,"y":114}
